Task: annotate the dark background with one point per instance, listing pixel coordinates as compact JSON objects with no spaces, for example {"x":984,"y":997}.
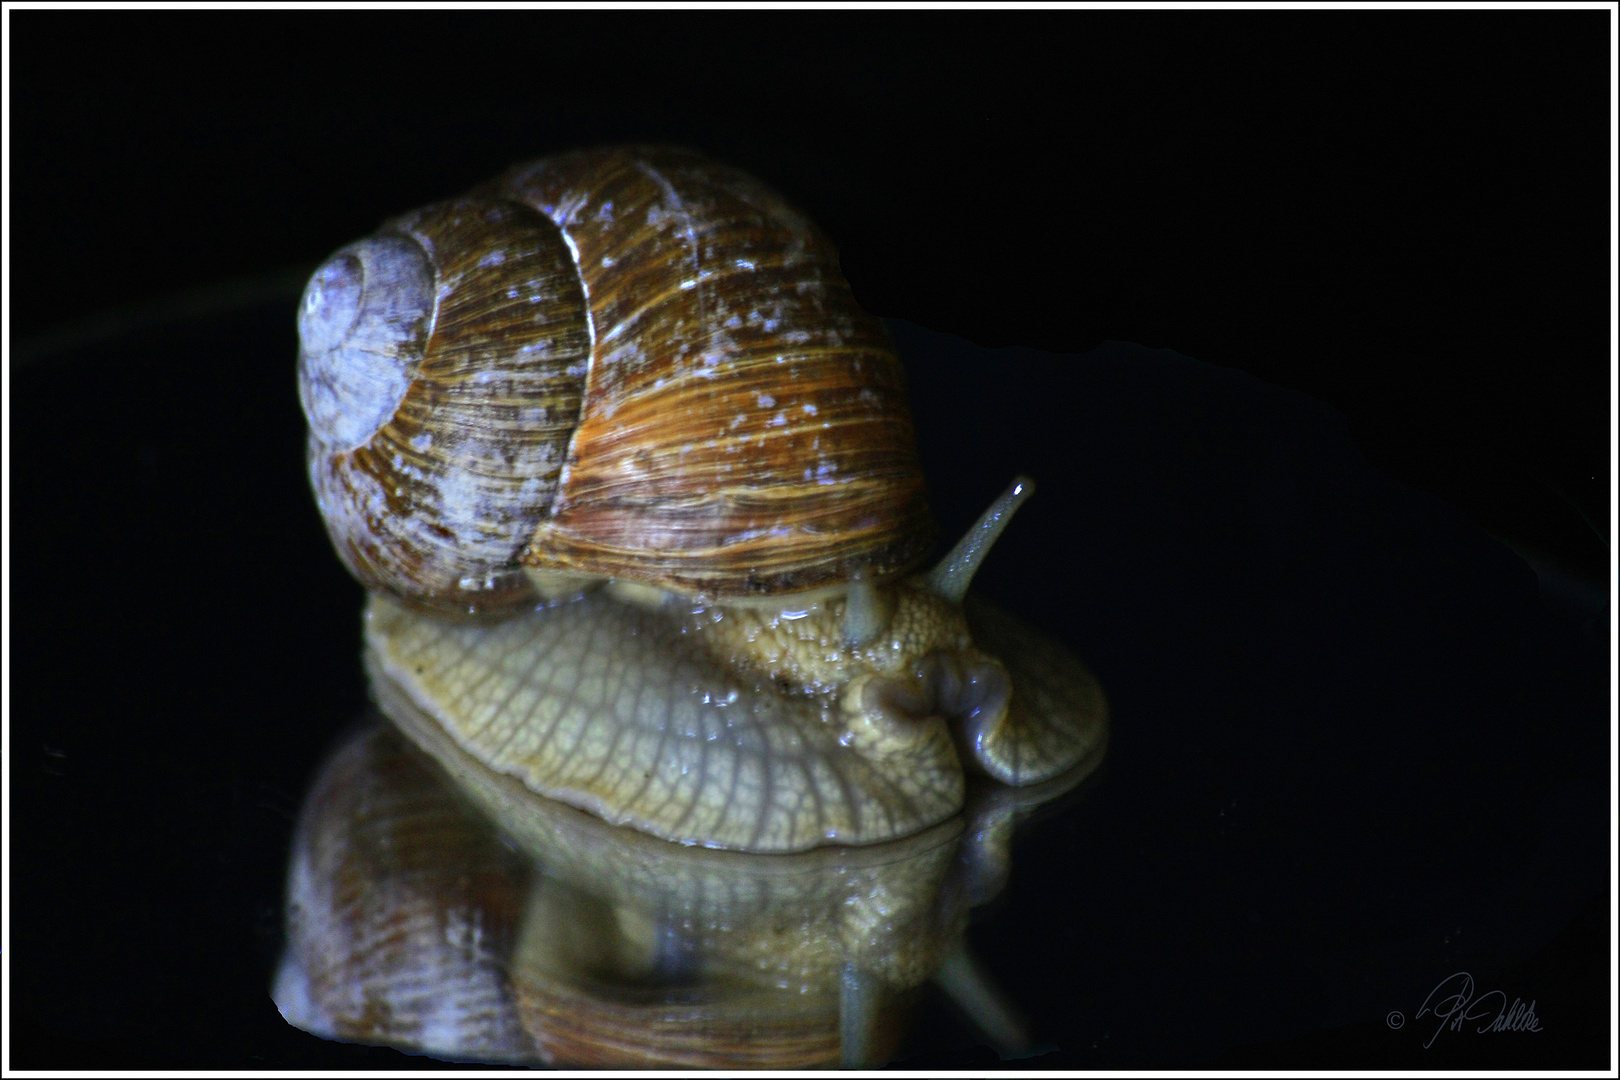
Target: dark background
{"x":1292,"y":585}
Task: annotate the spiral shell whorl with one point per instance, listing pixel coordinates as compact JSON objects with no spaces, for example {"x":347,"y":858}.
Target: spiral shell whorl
{"x":436,"y":440}
{"x":362,"y":324}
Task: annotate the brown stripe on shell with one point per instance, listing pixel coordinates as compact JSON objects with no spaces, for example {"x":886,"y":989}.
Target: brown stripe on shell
{"x":436,"y":505}
{"x":745,"y":427}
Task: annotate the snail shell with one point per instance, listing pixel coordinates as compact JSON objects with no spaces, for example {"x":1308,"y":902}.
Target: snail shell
{"x":630,"y":363}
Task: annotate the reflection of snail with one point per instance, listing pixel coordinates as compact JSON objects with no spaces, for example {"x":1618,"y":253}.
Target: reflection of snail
{"x":411,"y":924}
{"x":640,"y":370}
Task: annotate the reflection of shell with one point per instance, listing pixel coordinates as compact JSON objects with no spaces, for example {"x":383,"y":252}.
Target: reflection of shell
{"x":402,"y":909}
{"x":602,"y":1028}
{"x":410,"y":924}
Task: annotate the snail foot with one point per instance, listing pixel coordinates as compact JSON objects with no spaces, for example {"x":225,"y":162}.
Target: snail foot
{"x":970,"y":692}
{"x":1015,"y":730}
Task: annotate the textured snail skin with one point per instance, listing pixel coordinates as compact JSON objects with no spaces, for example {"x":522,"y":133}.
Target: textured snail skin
{"x":642,"y":719}
{"x":611,"y":708}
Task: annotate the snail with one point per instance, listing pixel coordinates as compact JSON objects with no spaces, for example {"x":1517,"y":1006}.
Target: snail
{"x":633,"y":486}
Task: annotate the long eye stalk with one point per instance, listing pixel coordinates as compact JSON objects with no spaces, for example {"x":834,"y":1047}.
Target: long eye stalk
{"x":950,"y":579}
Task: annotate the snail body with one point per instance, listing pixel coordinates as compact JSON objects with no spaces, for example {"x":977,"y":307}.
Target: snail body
{"x":637,"y":369}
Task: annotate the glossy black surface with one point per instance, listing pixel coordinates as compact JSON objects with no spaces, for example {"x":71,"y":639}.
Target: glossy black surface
{"x":1353,"y":749}
{"x":1358,"y":744}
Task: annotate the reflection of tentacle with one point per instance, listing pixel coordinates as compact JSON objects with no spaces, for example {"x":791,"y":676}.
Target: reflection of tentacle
{"x":857,"y":1011}
{"x":675,"y":957}
{"x":976,"y":993}
{"x":984,"y":857}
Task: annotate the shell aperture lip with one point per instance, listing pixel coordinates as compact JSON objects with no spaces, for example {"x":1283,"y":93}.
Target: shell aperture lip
{"x":606,"y":707}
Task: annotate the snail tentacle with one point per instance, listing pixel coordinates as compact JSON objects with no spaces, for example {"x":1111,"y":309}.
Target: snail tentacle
{"x":866,"y":612}
{"x":951,"y":578}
